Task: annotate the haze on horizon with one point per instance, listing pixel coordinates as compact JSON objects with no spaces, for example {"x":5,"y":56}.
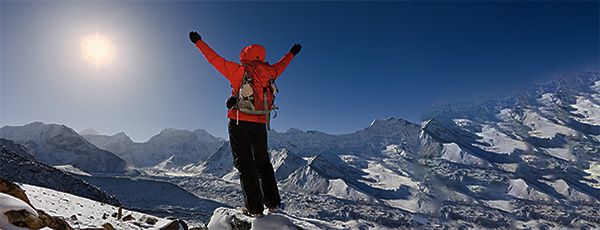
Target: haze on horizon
{"x":129,"y":66}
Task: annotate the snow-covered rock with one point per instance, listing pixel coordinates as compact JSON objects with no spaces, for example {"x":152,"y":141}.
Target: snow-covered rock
{"x":231,"y":219}
{"x":10,"y":203}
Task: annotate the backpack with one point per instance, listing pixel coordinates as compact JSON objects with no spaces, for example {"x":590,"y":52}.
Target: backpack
{"x":254,"y":96}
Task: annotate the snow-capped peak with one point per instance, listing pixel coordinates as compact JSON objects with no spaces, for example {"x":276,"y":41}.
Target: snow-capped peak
{"x":389,"y":121}
{"x":88,"y":131}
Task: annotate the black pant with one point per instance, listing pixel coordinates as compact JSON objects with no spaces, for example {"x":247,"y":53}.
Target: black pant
{"x":251,"y":158}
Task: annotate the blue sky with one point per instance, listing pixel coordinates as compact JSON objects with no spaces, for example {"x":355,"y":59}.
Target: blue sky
{"x":360,"y":60}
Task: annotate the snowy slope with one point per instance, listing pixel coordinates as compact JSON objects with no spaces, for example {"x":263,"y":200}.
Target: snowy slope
{"x":84,"y":213}
{"x":55,"y":144}
{"x":10,"y":203}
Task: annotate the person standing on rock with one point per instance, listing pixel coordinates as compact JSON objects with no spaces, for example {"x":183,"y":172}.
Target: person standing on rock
{"x":249,"y":111}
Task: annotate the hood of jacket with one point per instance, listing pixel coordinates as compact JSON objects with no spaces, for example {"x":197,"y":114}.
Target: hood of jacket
{"x":252,"y":53}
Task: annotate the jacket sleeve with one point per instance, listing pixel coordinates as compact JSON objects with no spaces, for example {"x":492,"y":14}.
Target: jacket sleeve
{"x":280,"y":66}
{"x":227,"y":68}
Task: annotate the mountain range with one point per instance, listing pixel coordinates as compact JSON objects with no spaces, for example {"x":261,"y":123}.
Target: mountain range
{"x":531,"y":160}
{"x":169,"y":148}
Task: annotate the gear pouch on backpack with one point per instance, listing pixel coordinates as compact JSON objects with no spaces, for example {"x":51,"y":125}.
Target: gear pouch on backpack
{"x":246,"y":104}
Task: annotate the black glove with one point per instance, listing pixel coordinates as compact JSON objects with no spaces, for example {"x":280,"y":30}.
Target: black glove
{"x":295,"y":49}
{"x":194,"y":37}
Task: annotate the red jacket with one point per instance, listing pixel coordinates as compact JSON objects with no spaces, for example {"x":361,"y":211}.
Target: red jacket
{"x":234,"y":72}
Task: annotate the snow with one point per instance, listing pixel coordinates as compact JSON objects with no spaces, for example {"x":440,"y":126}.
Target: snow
{"x":563,"y":188}
{"x":396,"y":149}
{"x":224,"y":218}
{"x":504,"y":205}
{"x":498,"y":142}
{"x":8,"y":203}
{"x":462,"y":122}
{"x":562,"y":153}
{"x":588,"y":109}
{"x":338,"y":188}
{"x":55,"y":144}
{"x":548,"y":99}
{"x":381,"y":177}
{"x":273,"y":222}
{"x":521,"y":189}
{"x":71,"y":169}
{"x":506,"y":114}
{"x":88,"y":213}
{"x":453,"y":153}
{"x":596,"y":86}
{"x":88,"y":131}
{"x":544,"y":128}
{"x":220,"y":220}
{"x":594,"y":171}
{"x":171,"y":147}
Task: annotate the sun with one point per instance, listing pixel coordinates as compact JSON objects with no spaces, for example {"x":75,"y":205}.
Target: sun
{"x":97,"y":50}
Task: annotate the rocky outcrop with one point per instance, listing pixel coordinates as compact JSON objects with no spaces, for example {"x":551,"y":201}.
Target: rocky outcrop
{"x":12,"y":189}
{"x":53,"y":222}
{"x":26,"y":218}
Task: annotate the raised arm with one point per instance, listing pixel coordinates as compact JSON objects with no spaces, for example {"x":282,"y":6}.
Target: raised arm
{"x":227,"y":68}
{"x":285,"y":61}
